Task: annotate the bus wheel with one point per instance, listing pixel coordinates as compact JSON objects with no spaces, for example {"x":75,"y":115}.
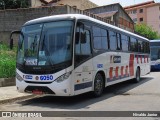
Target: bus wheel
{"x":98,"y":85}
{"x":137,"y":79}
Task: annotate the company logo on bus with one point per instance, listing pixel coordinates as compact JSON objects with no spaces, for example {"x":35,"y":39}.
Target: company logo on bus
{"x":115,"y":59}
{"x":27,"y":77}
{"x":36,"y":78}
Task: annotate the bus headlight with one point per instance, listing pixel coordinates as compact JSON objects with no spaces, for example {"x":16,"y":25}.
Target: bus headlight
{"x":19,"y":77}
{"x":63,"y":77}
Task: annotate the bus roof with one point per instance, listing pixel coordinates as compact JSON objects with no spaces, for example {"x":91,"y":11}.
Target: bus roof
{"x":77,"y":16}
{"x":158,"y":40}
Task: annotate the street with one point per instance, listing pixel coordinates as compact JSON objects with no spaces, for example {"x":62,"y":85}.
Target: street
{"x":126,"y":96}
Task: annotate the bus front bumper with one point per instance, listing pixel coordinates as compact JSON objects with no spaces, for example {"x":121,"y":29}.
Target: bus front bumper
{"x":54,"y":88}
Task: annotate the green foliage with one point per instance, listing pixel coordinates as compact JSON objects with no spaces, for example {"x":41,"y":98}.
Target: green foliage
{"x":13,"y":4}
{"x":7,"y":61}
{"x":146,"y":31}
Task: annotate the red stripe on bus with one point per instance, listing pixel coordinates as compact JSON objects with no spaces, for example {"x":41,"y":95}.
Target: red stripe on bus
{"x":131,"y":65}
{"x":126,"y":70}
{"x":116,"y":72}
{"x":110,"y":73}
{"x":122,"y":68}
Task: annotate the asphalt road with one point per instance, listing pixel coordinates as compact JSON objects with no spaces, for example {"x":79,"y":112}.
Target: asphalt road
{"x":126,"y":96}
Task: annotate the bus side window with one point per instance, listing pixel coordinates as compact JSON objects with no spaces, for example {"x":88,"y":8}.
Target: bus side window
{"x":100,"y":39}
{"x":133,"y":45}
{"x":82,"y":48}
{"x":125,"y":42}
{"x":112,"y":40}
{"x":118,"y":41}
{"x":141,"y":46}
{"x":148,"y":47}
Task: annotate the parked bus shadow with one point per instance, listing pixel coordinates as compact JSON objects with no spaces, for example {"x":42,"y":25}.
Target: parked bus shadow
{"x":84,"y":100}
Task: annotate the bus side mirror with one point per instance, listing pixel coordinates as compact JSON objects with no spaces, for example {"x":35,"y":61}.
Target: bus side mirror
{"x":83,"y":37}
{"x":77,"y":38}
{"x":11,"y":39}
{"x":11,"y":43}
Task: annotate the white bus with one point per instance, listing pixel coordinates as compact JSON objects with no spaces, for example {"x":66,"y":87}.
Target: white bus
{"x":155,"y":54}
{"x":67,"y":55}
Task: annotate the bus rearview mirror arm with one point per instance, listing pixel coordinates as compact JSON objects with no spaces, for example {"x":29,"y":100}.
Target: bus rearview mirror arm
{"x":11,"y":39}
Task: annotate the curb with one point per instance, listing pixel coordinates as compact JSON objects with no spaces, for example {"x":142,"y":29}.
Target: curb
{"x":7,"y":82}
{"x":16,"y":98}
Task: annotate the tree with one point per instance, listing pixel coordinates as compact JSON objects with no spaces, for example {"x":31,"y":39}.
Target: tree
{"x":146,"y":31}
{"x":13,"y":4}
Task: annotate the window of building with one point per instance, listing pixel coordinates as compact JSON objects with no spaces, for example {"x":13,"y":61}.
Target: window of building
{"x":134,"y":11}
{"x":141,"y":11}
{"x":141,"y":19}
{"x":134,"y":20}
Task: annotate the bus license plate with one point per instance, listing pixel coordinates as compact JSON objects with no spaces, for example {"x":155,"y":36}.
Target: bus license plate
{"x":38,"y":92}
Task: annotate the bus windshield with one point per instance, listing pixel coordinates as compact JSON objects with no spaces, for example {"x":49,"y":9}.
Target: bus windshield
{"x":45,"y":44}
{"x":155,"y":52}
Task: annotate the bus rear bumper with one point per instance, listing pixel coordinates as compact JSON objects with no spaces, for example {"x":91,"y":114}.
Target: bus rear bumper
{"x":54,"y":88}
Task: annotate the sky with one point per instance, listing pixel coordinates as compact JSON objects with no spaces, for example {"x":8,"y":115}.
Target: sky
{"x":122,"y":2}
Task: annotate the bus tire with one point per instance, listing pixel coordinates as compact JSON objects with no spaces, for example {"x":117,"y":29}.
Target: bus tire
{"x":98,"y":85}
{"x":138,"y":75}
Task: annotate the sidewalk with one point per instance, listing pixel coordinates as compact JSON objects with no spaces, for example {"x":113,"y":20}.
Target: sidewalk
{"x":9,"y":94}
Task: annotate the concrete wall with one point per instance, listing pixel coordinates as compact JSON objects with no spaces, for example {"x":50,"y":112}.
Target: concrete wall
{"x":11,"y":20}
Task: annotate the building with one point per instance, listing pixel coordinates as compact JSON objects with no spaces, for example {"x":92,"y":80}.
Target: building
{"x":22,"y":15}
{"x":147,"y":12}
{"x":116,"y":14}
{"x":79,"y":4}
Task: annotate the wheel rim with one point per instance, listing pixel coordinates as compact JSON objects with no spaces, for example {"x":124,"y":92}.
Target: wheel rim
{"x":98,"y":86}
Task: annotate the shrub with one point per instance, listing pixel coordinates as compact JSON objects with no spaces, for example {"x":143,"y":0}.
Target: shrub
{"x":7,"y":61}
